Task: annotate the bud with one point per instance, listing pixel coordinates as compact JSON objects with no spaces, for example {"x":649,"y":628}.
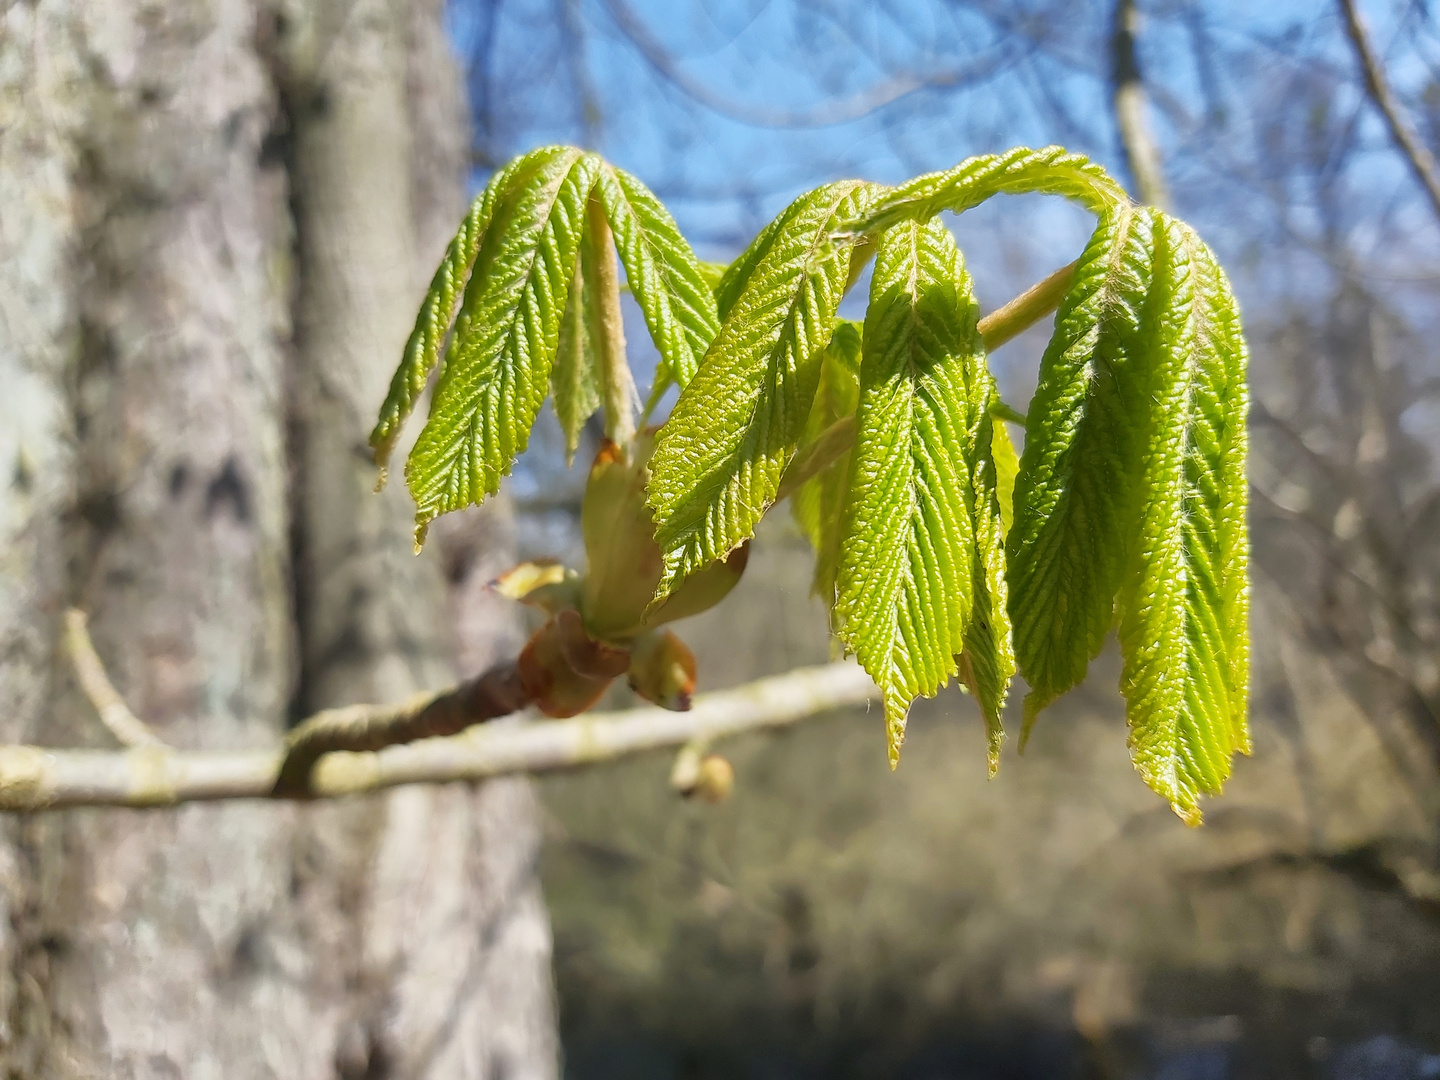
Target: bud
{"x":715,"y":780}
{"x":541,"y":583}
{"x":623,"y":560}
{"x":624,"y":563}
{"x":548,"y":666}
{"x":662,"y":670}
{"x":709,"y":776}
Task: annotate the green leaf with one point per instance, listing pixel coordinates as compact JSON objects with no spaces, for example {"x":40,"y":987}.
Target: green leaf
{"x":1075,"y":490}
{"x":737,"y":274}
{"x":1183,"y":627}
{"x":575,"y":378}
{"x":719,"y":458}
{"x":987,"y":663}
{"x":907,"y":557}
{"x":438,"y":309}
{"x":1049,"y":171}
{"x":817,"y":504}
{"x":497,"y":368}
{"x":674,"y":294}
{"x":713,"y":273}
{"x":1007,"y":467}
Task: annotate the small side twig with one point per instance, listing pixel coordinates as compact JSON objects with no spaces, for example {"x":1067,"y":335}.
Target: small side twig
{"x":1421,"y":161}
{"x":127,"y":728}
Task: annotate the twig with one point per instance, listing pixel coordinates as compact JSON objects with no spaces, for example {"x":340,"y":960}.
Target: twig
{"x":356,"y":728}
{"x":1422,"y":162}
{"x":127,"y":728}
{"x":35,"y":778}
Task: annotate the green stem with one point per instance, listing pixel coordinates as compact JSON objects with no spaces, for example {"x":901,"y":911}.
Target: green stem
{"x":1026,"y":310}
{"x":618,"y":385}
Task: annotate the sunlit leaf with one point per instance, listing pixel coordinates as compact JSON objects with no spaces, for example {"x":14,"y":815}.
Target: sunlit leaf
{"x":1075,"y":491}
{"x":713,"y":273}
{"x":497,"y":368}
{"x":817,"y":503}
{"x":1007,"y":467}
{"x":674,"y":294}
{"x":737,"y":275}
{"x":719,"y":458}
{"x":1183,"y":627}
{"x":575,"y":379}
{"x":438,"y":308}
{"x":907,"y":554}
{"x":1048,"y":171}
{"x":987,"y":663}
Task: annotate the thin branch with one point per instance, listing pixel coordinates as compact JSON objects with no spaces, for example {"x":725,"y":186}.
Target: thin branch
{"x":489,"y":696}
{"x":1422,"y":162}
{"x":35,"y":778}
{"x":127,"y":728}
{"x":1138,"y":142}
{"x":855,"y":107}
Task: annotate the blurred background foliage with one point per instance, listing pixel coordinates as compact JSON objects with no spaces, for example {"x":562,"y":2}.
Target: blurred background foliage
{"x":833,"y":920}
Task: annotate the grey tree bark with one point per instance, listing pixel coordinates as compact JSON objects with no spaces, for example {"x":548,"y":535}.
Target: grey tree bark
{"x":216,"y":221}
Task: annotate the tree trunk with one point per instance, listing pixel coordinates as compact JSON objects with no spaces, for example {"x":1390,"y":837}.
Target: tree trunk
{"x":182,"y":183}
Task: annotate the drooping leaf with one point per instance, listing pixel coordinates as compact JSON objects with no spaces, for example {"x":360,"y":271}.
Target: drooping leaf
{"x":574,"y":379}
{"x":1048,"y":171}
{"x":437,"y":310}
{"x":907,"y":555}
{"x":672,"y":291}
{"x":719,"y":458}
{"x":1183,"y":627}
{"x":497,"y":368}
{"x":1074,"y":494}
{"x":817,"y":504}
{"x":987,"y":663}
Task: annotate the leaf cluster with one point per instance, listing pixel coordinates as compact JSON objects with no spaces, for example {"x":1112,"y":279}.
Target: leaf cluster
{"x":939,"y":551}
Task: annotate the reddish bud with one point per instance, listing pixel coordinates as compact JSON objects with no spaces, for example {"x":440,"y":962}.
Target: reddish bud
{"x":662,"y":670}
{"x":549,"y":678}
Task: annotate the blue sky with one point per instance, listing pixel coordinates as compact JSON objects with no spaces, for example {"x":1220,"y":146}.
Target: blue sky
{"x":1269,"y":146}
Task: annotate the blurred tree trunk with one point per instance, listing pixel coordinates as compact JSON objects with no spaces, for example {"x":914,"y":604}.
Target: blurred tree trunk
{"x":217,"y":219}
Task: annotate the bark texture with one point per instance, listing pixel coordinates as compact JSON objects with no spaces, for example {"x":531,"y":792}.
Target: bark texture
{"x":217,"y":218}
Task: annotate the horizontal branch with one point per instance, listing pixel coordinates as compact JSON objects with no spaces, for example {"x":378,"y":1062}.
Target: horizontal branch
{"x":37,"y":778}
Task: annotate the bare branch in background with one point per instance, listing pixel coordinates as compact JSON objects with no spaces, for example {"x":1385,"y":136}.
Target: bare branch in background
{"x":1422,"y":162}
{"x":1131,"y":109}
{"x":37,"y":778}
{"x":839,"y":111}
